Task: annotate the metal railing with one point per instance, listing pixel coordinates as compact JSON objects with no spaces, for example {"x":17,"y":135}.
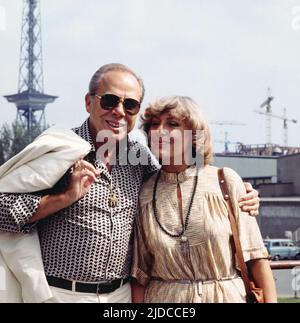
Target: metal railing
{"x":284,"y":264}
{"x":289,"y":264}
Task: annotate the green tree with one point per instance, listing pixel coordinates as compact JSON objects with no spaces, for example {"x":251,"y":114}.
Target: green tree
{"x":14,"y":138}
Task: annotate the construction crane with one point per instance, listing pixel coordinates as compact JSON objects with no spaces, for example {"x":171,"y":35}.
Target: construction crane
{"x":268,"y":113}
{"x":227,"y":123}
{"x":285,"y":123}
{"x":226,"y":142}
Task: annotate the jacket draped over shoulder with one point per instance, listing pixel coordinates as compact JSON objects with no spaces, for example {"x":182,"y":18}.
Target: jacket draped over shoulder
{"x":38,"y":167}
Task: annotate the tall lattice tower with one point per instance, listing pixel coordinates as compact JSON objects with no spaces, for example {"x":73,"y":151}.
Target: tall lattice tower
{"x":30,"y":99}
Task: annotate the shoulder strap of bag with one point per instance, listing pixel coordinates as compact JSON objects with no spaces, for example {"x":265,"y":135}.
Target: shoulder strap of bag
{"x":234,"y":229}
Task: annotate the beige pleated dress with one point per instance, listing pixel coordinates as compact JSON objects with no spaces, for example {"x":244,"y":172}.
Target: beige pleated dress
{"x":208,"y":273}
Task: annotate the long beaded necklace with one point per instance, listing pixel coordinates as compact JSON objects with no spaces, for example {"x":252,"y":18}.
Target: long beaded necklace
{"x":184,"y":243}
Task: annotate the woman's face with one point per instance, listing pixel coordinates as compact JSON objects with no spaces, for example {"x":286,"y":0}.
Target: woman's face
{"x":170,"y":140}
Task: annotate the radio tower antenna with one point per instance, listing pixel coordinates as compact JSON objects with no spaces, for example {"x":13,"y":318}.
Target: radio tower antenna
{"x":31,"y":100}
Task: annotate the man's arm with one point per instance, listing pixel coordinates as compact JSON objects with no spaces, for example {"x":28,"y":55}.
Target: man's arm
{"x":49,"y":204}
{"x":17,"y":210}
{"x":83,"y":176}
{"x":250,"y":202}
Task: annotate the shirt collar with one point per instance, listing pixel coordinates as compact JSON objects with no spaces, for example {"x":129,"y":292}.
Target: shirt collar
{"x":84,"y":132}
{"x":174,"y":178}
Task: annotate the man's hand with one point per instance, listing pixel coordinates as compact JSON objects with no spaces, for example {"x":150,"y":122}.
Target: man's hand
{"x":83,"y":176}
{"x":250,"y":202}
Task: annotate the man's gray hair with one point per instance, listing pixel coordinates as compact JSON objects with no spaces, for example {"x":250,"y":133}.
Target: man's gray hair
{"x":97,"y":77}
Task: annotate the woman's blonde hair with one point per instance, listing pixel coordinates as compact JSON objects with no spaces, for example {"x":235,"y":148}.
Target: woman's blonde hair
{"x":187,"y":110}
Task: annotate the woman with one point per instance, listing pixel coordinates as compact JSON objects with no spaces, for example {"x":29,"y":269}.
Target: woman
{"x":183,"y":243}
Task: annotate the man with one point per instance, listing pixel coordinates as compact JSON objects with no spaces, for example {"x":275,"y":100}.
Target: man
{"x":85,"y":231}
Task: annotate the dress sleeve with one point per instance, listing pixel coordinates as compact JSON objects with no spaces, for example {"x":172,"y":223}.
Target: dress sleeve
{"x":250,"y":236}
{"x":142,"y":258}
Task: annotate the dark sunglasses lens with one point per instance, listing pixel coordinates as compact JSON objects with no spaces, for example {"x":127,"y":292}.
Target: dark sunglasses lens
{"x":132,"y":106}
{"x":109,"y":101}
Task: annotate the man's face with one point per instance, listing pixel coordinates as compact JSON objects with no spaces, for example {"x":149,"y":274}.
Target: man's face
{"x":116,"y":121}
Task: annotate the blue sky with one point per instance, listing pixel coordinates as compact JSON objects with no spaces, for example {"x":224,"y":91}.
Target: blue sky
{"x":224,"y":54}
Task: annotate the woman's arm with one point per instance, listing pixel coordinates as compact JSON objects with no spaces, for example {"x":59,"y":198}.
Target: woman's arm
{"x":251,"y":240}
{"x":261,"y":273}
{"x":137,"y":292}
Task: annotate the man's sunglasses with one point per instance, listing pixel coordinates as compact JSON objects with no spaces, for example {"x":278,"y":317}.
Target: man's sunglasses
{"x":111,"y":101}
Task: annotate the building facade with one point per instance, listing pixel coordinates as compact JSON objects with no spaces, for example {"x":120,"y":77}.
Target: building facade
{"x":278,"y":182}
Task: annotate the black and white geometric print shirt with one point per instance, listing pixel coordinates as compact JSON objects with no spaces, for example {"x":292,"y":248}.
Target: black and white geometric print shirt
{"x":91,"y":240}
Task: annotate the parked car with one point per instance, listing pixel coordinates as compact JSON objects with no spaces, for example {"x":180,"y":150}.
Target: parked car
{"x":282,"y":249}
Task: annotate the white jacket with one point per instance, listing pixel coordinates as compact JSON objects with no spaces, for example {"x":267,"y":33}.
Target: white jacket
{"x":39,"y":166}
